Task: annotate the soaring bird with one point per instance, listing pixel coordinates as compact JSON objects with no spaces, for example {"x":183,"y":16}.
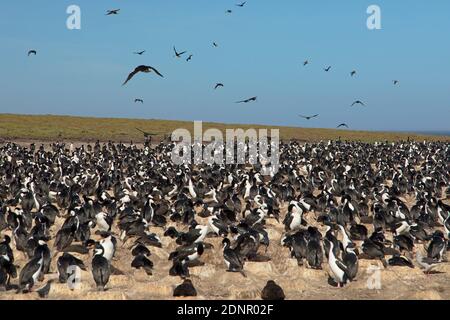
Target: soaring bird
{"x":395,"y":82}
{"x":247,"y":100}
{"x":215,"y":45}
{"x":305,"y":63}
{"x":189,"y":58}
{"x":327,"y":68}
{"x":241,"y":4}
{"x":32,"y":52}
{"x":342,"y":125}
{"x":138,"y":100}
{"x":139,"y":52}
{"x":145,"y":69}
{"x":146,"y":134}
{"x":229,"y":11}
{"x":218,"y":85}
{"x":110,"y":12}
{"x":352,"y":73}
{"x":308,"y":117}
{"x":358,"y":102}
{"x":178,"y":54}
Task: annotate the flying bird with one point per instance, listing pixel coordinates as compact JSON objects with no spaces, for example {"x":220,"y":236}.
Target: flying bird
{"x":247,"y":100}
{"x":178,"y":54}
{"x":241,"y":4}
{"x":110,"y":12}
{"x":327,"y":69}
{"x":145,"y":69}
{"x":215,"y":45}
{"x":229,"y":11}
{"x":189,"y":58}
{"x":308,"y":117}
{"x":358,"y":102}
{"x":138,"y":100}
{"x":139,"y":52}
{"x":32,"y":52}
{"x":218,"y":85}
{"x":146,"y":134}
{"x":352,"y":73}
{"x":305,"y":63}
{"x":342,"y":125}
{"x":395,"y":82}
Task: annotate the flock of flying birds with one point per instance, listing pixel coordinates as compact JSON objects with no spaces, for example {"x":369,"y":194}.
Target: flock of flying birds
{"x":180,"y":54}
{"x":355,"y":103}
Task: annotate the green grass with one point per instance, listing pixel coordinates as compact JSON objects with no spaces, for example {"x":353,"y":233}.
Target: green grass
{"x":50,"y":128}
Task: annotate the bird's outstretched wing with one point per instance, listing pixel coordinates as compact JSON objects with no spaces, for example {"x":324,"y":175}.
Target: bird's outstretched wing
{"x":358,"y":102}
{"x":131,"y":75}
{"x":146,"y":133}
{"x":157,"y":72}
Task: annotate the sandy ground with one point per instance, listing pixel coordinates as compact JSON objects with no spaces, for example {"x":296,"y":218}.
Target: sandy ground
{"x":212,"y":282}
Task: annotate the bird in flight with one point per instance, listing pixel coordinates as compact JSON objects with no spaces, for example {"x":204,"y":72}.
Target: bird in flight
{"x":352,"y":73}
{"x":145,"y":69}
{"x":139,"y":52}
{"x":215,"y":45}
{"x":358,"y":102}
{"x":305,"y":63}
{"x":138,"y":100}
{"x":189,"y":58}
{"x":241,"y":4}
{"x":178,"y":54}
{"x":146,"y":134}
{"x":218,"y":85}
{"x":32,"y":52}
{"x":229,"y":11}
{"x":327,"y":68}
{"x":308,"y":117}
{"x":395,"y":82}
{"x":110,"y":12}
{"x":342,"y":125}
{"x":247,"y":100}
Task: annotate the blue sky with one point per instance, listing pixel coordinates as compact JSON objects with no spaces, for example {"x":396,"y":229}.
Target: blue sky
{"x":261,"y":50}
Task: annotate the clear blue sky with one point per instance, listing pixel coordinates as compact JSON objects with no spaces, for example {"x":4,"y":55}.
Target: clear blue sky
{"x":261,"y":50}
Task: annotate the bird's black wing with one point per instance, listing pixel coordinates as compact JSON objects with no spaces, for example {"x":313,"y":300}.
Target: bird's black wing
{"x":343,"y":267}
{"x":28,"y":271}
{"x":157,"y":72}
{"x":131,"y":75}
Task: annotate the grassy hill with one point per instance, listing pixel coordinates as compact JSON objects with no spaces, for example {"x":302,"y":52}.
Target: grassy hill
{"x":50,"y":127}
